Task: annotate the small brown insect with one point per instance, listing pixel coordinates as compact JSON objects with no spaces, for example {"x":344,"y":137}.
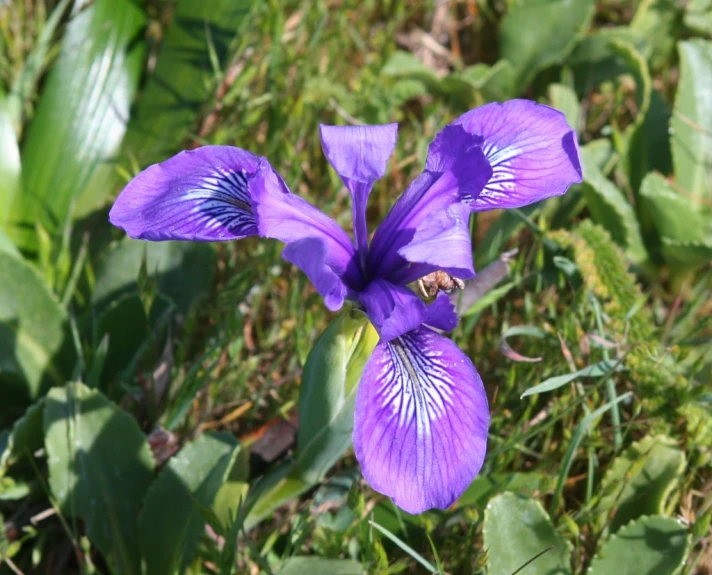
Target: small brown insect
{"x":431,"y":284}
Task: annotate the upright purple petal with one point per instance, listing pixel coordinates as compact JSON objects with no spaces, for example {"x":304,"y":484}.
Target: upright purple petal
{"x":443,"y":241}
{"x":429,"y":193}
{"x":287,"y":217}
{"x":359,"y":154}
{"x":200,"y":195}
{"x":421,"y":419}
{"x":532,"y":150}
{"x":392,"y":309}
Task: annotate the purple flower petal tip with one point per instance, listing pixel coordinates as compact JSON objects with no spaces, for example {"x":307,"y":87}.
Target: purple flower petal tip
{"x":200,"y":195}
{"x":421,"y":420}
{"x":531,"y":148}
{"x":359,"y":153}
{"x":392,"y":309}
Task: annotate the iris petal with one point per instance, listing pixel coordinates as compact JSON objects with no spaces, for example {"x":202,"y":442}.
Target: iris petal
{"x":429,"y":193}
{"x":200,"y":195}
{"x":421,"y":419}
{"x":359,"y":154}
{"x":531,"y":148}
{"x":442,"y":314}
{"x":443,"y":241}
{"x":287,"y":217}
{"x":392,"y":309}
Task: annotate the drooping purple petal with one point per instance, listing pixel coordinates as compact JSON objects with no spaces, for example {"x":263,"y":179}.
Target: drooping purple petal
{"x":392,"y":309}
{"x":443,"y":241}
{"x":532,"y":150}
{"x":309,"y":255}
{"x":421,"y":419}
{"x":429,"y":193}
{"x":287,"y":217}
{"x":359,"y":154}
{"x":441,"y":313}
{"x":200,"y":195}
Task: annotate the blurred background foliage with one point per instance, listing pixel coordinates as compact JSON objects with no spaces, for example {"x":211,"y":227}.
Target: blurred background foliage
{"x":152,"y":394}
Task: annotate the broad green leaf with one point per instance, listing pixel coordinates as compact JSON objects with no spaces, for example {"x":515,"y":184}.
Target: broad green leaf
{"x":81,"y":117}
{"x":610,"y":208}
{"x":674,"y":215}
{"x":184,"y":78}
{"x":32,"y":332}
{"x":692,"y":122}
{"x":559,"y":25}
{"x":594,"y":59}
{"x":184,"y":270}
{"x":10,"y":164}
{"x":640,"y":480}
{"x":649,"y":546}
{"x":484,"y":487}
{"x":319,"y":566}
{"x":515,"y":530}
{"x":172,"y":522}
{"x":698,"y":16}
{"x":7,"y":246}
{"x":100,"y":468}
{"x":599,"y":369}
{"x":565,"y":100}
{"x":687,"y":255}
{"x":276,"y":488}
{"x":26,"y":436}
{"x":230,"y":500}
{"x":495,"y":83}
{"x":406,"y":65}
{"x":658,"y":21}
{"x":328,"y":392}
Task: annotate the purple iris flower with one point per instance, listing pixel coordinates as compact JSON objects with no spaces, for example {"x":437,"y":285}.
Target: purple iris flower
{"x":421,"y":417}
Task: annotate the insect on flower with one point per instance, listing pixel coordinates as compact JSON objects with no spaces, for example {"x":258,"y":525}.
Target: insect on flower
{"x":421,"y":416}
{"x":435,"y":282}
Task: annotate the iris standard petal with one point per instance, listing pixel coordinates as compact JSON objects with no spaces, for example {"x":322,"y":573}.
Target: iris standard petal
{"x":443,"y":241}
{"x":392,"y":309}
{"x":429,"y":193}
{"x":532,"y":150}
{"x":359,"y":154}
{"x":309,"y":255}
{"x":200,"y":195}
{"x":421,"y":419}
{"x":287,"y":217}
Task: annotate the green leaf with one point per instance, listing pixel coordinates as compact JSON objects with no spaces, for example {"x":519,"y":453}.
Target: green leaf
{"x":610,"y":208}
{"x":698,"y":16}
{"x":495,"y":83}
{"x":565,"y":100}
{"x":172,"y":522}
{"x":560,"y":25}
{"x":674,"y":216}
{"x":32,"y":331}
{"x":276,"y":488}
{"x":320,"y":566}
{"x":10,"y":164}
{"x":26,"y":437}
{"x":484,"y":487}
{"x":184,"y":78}
{"x":692,"y":121}
{"x":687,"y":255}
{"x":515,"y":530}
{"x":100,"y":468}
{"x":658,"y":21}
{"x":648,"y":546}
{"x":599,"y":369}
{"x":184,"y":270}
{"x":641,"y":479}
{"x":81,"y":117}
{"x":328,"y":393}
